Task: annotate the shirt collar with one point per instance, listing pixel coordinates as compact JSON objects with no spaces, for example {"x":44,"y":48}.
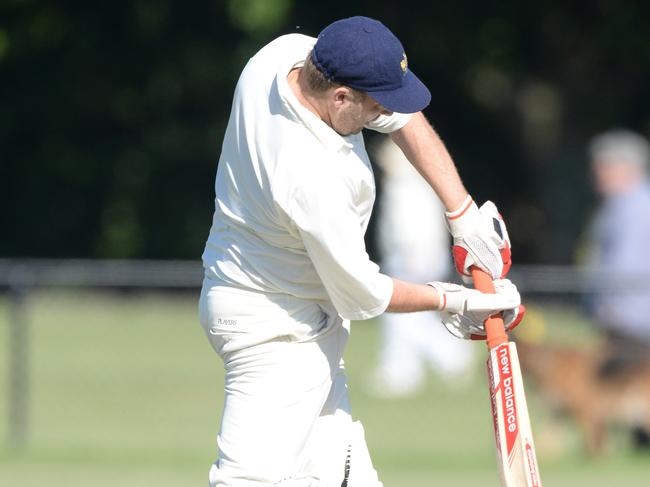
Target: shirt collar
{"x":301,"y":114}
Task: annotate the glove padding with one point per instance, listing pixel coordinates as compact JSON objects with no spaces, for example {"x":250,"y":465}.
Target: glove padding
{"x":463,"y":311}
{"x":468,"y":329}
{"x":480,"y":238}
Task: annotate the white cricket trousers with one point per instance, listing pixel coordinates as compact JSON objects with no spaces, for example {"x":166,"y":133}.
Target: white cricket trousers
{"x":286,"y":417}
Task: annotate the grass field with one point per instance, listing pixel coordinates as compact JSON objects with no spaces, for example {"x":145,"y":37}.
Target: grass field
{"x":125,"y":391}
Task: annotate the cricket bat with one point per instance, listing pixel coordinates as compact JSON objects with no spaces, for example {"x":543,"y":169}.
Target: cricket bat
{"x":516,"y":456}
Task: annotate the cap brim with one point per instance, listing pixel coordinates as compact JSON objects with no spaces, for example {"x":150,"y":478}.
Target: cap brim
{"x":411,"y":97}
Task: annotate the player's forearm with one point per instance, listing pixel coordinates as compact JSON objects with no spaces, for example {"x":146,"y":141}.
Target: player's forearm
{"x":425,"y":150}
{"x":408,"y":297}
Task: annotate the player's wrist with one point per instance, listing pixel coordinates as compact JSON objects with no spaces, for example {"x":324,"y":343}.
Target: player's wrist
{"x":460,"y":209}
{"x":440,"y":299}
{"x":451,"y":297}
{"x":465,"y":219}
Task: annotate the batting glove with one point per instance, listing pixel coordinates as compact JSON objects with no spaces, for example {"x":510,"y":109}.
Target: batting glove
{"x":480,"y":239}
{"x":463,"y":311}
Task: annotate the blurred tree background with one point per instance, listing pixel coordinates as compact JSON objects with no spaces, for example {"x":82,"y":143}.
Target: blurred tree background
{"x":112,"y":114}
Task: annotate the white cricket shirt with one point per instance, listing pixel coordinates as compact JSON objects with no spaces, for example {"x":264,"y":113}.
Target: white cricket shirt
{"x":293,"y":197}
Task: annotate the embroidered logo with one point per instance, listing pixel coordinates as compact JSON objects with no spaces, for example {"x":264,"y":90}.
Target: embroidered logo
{"x":404,"y":63}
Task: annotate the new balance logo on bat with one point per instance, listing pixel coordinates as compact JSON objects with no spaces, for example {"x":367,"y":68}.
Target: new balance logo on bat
{"x":508,"y":405}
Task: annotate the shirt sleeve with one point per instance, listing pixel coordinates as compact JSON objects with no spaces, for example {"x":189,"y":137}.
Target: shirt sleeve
{"x":324,"y":212}
{"x":389,"y":123}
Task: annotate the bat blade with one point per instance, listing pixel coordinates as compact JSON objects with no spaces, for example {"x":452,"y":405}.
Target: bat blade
{"x":516,"y":456}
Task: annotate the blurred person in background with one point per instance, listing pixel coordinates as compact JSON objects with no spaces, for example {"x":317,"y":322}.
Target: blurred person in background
{"x":620,"y":239}
{"x":621,"y":235}
{"x":415,"y":246}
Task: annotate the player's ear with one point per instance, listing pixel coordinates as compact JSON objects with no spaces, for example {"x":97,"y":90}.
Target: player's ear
{"x":341,"y":95}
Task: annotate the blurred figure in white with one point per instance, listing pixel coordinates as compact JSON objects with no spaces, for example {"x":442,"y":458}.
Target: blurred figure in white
{"x":415,"y":246}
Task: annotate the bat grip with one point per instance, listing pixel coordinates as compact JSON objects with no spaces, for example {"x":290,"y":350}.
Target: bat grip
{"x":494,"y":328}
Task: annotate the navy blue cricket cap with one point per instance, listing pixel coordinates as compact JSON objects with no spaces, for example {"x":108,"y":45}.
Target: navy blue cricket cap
{"x":363,"y":54}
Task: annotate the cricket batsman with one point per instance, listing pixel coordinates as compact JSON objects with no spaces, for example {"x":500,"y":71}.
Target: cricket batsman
{"x":285,"y":264}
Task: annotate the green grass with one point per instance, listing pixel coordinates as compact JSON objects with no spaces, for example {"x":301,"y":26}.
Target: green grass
{"x":125,"y":391}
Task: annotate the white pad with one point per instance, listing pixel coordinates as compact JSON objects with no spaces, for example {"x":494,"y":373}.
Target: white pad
{"x":322,"y":472}
{"x":362,"y":473}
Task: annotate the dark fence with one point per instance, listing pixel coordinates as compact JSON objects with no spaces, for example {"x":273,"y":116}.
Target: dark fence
{"x":18,"y":277}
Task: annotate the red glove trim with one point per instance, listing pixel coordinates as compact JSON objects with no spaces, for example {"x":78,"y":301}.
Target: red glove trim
{"x":506,"y":257}
{"x":520,"y":316}
{"x":460,"y":254}
{"x":469,"y":203}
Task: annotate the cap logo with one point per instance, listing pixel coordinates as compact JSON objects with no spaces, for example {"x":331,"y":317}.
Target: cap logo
{"x":404,"y":63}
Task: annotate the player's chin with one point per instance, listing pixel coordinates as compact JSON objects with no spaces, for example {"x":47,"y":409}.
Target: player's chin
{"x":346,"y":132}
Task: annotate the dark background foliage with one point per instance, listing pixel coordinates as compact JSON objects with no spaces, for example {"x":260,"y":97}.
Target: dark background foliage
{"x":112,"y":114}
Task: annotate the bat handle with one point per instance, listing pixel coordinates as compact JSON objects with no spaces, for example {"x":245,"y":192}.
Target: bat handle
{"x":494,"y":328}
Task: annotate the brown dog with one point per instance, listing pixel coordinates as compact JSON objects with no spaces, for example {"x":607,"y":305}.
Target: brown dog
{"x":596,"y":387}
